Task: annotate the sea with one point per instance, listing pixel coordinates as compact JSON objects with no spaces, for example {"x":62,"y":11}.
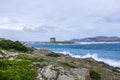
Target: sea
{"x":107,"y":52}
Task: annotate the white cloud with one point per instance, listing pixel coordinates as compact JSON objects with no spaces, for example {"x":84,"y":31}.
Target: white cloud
{"x":4,"y":20}
{"x":60,"y":18}
{"x":7,"y":23}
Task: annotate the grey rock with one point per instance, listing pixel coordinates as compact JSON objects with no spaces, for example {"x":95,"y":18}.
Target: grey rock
{"x":48,"y":73}
{"x":65,"y":77}
{"x":59,"y":73}
{"x":60,"y":70}
{"x":42,"y":52}
{"x":1,"y":56}
{"x":39,"y":76}
{"x":81,"y":74}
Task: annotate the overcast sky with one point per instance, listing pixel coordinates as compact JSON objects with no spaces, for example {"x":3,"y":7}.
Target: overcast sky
{"x":38,"y":20}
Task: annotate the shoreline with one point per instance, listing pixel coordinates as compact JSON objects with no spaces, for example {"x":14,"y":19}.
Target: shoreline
{"x":44,"y":59}
{"x":94,"y":56}
{"x":65,"y":43}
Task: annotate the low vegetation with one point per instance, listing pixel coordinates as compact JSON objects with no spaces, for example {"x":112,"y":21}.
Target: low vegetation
{"x":16,"y":70}
{"x":11,"y":45}
{"x":94,"y":75}
{"x":30,"y":58}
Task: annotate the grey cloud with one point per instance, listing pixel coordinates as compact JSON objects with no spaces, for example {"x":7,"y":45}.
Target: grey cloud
{"x":42,"y":28}
{"x":62,"y":18}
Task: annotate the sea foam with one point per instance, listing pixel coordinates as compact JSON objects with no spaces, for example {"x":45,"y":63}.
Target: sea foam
{"x":111,"y":62}
{"x":96,"y":42}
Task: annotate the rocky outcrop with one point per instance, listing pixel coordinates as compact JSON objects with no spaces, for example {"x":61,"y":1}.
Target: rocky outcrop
{"x":54,"y":66}
{"x":58,"y":73}
{"x":42,"y":52}
{"x":70,"y":68}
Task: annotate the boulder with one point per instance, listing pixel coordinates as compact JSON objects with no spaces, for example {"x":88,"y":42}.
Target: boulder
{"x":48,"y":73}
{"x":1,"y":56}
{"x":65,"y":77}
{"x":80,"y":74}
{"x":59,"y":73}
{"x":39,"y":76}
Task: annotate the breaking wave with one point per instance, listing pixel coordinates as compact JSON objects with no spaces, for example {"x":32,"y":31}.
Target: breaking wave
{"x":96,"y":42}
{"x":111,"y":62}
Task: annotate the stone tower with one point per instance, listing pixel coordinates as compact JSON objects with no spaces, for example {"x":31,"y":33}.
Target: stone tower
{"x":52,"y":39}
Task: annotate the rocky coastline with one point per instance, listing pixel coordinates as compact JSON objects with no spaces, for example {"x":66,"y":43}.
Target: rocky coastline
{"x":56,"y":66}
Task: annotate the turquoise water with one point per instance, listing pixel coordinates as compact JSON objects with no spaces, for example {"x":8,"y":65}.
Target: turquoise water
{"x":106,"y":52}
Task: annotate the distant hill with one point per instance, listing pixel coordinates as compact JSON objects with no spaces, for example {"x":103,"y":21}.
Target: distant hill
{"x":98,"y":39}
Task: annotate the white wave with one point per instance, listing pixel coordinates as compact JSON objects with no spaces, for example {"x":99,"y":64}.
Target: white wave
{"x":96,"y":42}
{"x":108,"y":61}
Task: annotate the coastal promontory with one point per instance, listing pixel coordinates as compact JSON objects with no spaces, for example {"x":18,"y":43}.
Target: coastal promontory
{"x":19,"y":62}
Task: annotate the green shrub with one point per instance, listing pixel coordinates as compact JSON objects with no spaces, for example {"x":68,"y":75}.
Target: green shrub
{"x":94,"y":75}
{"x":8,"y":44}
{"x":16,"y":70}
